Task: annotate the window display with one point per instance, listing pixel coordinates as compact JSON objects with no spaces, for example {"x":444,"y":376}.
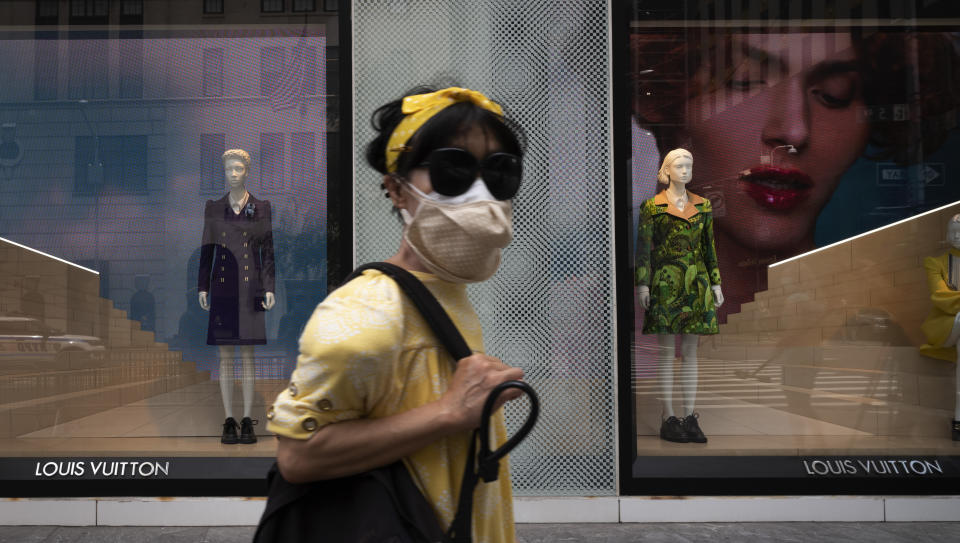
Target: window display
{"x":164,"y":231}
{"x":824,"y":155}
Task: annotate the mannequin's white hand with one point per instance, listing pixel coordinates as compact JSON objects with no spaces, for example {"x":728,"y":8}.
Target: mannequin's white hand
{"x":204,"y":302}
{"x":717,"y":295}
{"x":268,"y":301}
{"x":643,"y":295}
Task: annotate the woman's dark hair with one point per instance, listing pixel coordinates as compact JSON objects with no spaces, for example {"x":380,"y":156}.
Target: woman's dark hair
{"x":439,"y":131}
{"x":923,"y":73}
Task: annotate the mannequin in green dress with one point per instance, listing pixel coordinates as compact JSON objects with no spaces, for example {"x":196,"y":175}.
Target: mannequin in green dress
{"x":678,"y":282}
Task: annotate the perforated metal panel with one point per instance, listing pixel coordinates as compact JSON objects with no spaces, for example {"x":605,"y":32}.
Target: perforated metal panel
{"x":550,"y":307}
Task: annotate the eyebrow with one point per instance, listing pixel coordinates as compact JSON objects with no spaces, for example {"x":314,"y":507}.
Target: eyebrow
{"x":761,"y":55}
{"x":821,"y":70}
{"x":826,"y":69}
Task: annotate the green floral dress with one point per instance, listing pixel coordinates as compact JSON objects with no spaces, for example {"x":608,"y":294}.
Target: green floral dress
{"x":677,"y":259}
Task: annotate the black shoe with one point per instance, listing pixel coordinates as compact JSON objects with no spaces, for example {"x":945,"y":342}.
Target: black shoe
{"x":955,"y":430}
{"x":672,"y":430}
{"x":692,"y":428}
{"x":229,"y":436}
{"x":246,"y":430}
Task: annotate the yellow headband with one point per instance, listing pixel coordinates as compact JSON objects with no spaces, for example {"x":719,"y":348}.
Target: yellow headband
{"x":419,"y":108}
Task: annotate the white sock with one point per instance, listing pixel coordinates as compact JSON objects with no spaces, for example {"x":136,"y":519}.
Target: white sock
{"x":665,"y":372}
{"x":248,"y":377}
{"x":688,"y":372}
{"x":226,"y":379}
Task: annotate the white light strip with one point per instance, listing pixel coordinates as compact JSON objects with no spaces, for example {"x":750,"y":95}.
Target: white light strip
{"x":834,"y":244}
{"x":806,"y":23}
{"x":31,"y":249}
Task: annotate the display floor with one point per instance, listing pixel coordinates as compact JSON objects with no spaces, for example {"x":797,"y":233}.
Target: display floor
{"x":748,"y":410}
{"x":184,"y":422}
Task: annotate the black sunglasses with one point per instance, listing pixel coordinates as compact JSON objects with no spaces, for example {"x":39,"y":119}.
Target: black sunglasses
{"x":453,"y":171}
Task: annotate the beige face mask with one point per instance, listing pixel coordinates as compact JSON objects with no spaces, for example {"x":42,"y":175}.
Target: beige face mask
{"x":459,"y":242}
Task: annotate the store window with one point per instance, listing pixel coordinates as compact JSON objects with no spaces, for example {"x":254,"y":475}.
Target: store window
{"x":821,"y":160}
{"x":116,"y":216}
{"x":271,"y":6}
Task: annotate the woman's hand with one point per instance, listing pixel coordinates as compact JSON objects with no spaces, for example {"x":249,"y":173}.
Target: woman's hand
{"x":353,"y":446}
{"x":475,"y":377}
{"x":643,"y":296}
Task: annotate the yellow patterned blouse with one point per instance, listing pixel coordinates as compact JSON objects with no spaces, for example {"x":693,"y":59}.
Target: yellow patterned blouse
{"x":367,"y":352}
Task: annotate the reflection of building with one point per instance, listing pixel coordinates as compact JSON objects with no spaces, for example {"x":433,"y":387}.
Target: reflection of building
{"x":121,"y":134}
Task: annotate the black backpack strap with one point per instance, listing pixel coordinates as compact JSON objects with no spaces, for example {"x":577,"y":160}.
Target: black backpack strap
{"x":484,"y":463}
{"x":487,"y":461}
{"x":426,"y":303}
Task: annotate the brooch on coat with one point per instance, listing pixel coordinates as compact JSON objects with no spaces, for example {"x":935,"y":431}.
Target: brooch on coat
{"x":249,"y":210}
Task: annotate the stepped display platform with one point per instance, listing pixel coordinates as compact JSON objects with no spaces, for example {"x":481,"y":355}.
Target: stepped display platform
{"x":826,"y":360}
{"x":66,"y":354}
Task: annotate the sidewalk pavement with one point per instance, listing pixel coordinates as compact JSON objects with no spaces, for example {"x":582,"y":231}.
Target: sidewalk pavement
{"x":866,"y":532}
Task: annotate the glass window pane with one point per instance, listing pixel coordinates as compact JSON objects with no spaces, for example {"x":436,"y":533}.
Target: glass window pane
{"x":271,"y":6}
{"x":45,"y":67}
{"x":828,"y":207}
{"x":89,"y":69}
{"x":47,"y":9}
{"x":131,"y":7}
{"x":272,"y":61}
{"x":213,"y":71}
{"x":212,"y":147}
{"x":272,"y":157}
{"x":304,"y":5}
{"x":213,"y":6}
{"x":110,"y":157}
{"x":131,"y":68}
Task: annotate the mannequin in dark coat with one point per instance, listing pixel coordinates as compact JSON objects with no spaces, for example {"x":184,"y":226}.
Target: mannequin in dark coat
{"x":236,"y":283}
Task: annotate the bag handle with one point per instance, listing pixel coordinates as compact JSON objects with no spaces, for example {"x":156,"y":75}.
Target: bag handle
{"x":488,"y":462}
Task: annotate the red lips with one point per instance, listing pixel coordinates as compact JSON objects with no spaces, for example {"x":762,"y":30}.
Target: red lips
{"x":777,"y":189}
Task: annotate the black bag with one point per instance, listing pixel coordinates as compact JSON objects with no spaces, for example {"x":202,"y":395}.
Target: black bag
{"x":384,"y":505}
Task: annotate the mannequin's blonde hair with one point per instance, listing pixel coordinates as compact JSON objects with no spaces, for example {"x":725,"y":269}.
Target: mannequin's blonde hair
{"x":662,"y":175}
{"x":238,"y":154}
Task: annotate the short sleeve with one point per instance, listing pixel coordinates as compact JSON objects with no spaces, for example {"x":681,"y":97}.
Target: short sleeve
{"x":348,"y":352}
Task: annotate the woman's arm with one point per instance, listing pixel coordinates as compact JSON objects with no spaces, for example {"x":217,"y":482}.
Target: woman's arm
{"x":353,"y":446}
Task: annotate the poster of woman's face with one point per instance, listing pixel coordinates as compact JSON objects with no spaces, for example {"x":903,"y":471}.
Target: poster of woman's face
{"x":799,"y":138}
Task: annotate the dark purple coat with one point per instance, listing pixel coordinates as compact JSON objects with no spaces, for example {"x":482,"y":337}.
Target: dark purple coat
{"x":236,"y":269}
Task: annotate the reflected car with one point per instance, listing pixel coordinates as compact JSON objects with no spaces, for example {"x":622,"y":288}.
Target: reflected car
{"x":26,"y":339}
